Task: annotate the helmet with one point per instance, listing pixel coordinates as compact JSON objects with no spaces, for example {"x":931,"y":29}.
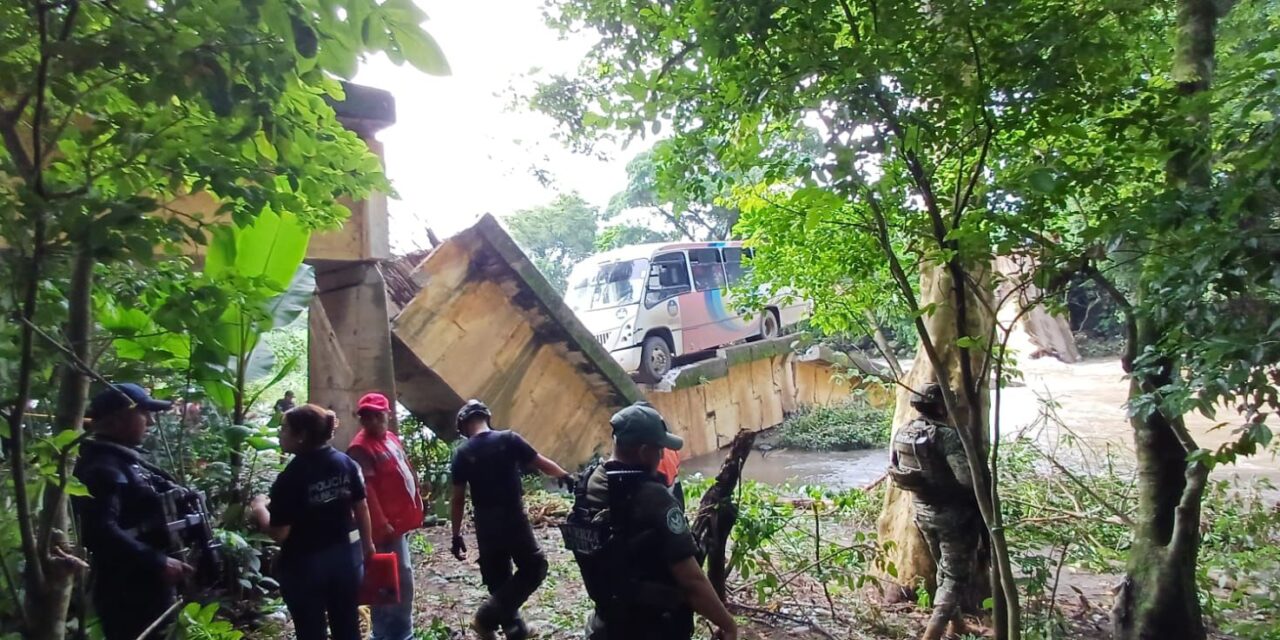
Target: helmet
{"x":472,"y":409}
{"x":930,"y":397}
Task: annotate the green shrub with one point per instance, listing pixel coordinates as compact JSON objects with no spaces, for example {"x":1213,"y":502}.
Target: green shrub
{"x":845,"y":427}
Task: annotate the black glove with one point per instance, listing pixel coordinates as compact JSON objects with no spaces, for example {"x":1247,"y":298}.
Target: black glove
{"x":459,"y":547}
{"x":567,"y":482}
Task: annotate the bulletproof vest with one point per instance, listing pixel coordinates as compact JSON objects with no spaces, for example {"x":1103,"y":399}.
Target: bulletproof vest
{"x":917,"y":462}
{"x":610,"y":550}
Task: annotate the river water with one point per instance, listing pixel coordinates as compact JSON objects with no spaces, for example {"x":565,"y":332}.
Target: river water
{"x":831,"y":469}
{"x":1086,"y":402}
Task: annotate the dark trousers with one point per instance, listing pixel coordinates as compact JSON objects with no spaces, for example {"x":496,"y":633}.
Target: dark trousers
{"x":504,"y":537}
{"x":126,"y":608}
{"x":320,"y":588}
{"x":651,"y":626}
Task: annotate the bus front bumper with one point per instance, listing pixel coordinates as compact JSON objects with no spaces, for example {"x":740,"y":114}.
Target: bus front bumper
{"x":628,"y":358}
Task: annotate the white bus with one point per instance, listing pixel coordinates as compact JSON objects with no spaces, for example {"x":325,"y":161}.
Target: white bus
{"x":647,"y":304}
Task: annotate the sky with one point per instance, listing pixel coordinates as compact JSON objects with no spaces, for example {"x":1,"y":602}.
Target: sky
{"x":458,"y":149}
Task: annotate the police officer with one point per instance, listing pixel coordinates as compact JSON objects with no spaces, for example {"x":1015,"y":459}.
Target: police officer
{"x":490,"y":464}
{"x":928,"y":460}
{"x":632,"y":543}
{"x":122,"y":518}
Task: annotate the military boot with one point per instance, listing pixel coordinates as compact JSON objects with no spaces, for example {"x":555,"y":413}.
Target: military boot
{"x":485,"y":623}
{"x":935,"y":630}
{"x":516,"y":629}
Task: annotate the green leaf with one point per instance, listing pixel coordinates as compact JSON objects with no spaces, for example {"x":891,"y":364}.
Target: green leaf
{"x":1260,"y":433}
{"x":421,"y":50}
{"x":272,"y":248}
{"x":285,"y":308}
{"x":236,"y":434}
{"x":264,"y":146}
{"x":1042,"y":180}
{"x":260,"y":443}
{"x":64,"y":438}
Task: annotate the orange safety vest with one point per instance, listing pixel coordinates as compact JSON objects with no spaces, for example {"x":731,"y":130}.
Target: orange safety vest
{"x":669,"y":467}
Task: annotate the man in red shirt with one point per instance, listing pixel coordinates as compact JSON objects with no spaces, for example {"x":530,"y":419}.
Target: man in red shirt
{"x":395,"y":506}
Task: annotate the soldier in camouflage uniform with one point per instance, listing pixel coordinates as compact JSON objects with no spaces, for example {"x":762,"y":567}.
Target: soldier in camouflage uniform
{"x":928,"y":460}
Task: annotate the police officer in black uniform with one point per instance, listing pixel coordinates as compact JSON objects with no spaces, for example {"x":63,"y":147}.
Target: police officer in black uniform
{"x":122,"y":521}
{"x":632,"y":543}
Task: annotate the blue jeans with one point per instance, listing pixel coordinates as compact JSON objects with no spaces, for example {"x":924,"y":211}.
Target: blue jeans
{"x":395,"y":621}
{"x":322,"y":587}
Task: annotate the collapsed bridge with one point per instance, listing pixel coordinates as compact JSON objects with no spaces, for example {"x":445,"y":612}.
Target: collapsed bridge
{"x":475,"y":318}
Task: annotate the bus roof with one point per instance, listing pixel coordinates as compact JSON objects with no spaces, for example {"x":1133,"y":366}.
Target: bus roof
{"x":637,"y":251}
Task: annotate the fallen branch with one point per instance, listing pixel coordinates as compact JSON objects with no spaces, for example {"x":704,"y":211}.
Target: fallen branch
{"x":1082,"y":486}
{"x":159,"y":621}
{"x":782,"y":616}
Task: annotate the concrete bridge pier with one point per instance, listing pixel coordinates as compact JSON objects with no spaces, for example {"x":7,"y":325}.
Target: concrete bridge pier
{"x":349,"y":333}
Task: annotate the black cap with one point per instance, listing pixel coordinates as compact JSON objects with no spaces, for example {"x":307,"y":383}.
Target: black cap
{"x":122,"y":396}
{"x":640,"y":423}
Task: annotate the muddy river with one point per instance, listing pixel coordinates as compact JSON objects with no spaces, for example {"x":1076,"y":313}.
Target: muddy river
{"x":834,"y":470}
{"x":1076,"y":411}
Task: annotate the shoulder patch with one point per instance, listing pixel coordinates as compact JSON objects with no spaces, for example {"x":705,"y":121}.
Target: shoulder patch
{"x":676,"y":522}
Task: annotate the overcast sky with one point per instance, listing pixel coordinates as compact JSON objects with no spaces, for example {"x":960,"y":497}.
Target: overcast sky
{"x":457,"y":151}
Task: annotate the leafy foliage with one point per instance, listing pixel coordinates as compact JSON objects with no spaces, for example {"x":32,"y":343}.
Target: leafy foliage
{"x":430,"y":457}
{"x":556,"y":236}
{"x":786,"y":536}
{"x":133,"y":132}
{"x":686,"y":220}
{"x":848,"y":427}
{"x":199,"y":622}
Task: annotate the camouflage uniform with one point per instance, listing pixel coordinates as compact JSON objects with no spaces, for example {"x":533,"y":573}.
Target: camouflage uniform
{"x":928,"y":459}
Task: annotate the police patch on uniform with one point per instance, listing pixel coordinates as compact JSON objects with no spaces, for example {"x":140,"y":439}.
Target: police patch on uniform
{"x":676,"y":522}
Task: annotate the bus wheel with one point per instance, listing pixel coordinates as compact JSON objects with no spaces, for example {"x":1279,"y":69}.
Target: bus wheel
{"x":655,"y":359}
{"x":770,"y":327}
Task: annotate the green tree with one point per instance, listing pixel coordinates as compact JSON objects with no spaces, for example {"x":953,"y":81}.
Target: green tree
{"x":622,"y":235}
{"x":557,"y":235}
{"x":115,"y":118}
{"x":952,"y":133}
{"x":704,"y":219}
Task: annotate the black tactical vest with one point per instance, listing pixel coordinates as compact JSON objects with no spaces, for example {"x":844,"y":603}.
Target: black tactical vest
{"x":612,"y":554}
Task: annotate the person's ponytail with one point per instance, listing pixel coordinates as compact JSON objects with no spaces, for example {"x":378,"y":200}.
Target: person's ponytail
{"x":316,"y":425}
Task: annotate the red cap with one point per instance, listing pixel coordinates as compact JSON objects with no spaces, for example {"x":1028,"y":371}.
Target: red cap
{"x":373,"y":401}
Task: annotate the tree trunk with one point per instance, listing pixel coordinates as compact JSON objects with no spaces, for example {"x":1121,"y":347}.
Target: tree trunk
{"x":910,"y":555}
{"x":46,"y":608}
{"x":717,"y":513}
{"x":1158,"y":598}
{"x":882,"y":343}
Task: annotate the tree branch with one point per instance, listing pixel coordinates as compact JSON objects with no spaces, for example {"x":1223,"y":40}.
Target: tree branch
{"x":1126,"y":308}
{"x":1082,"y":486}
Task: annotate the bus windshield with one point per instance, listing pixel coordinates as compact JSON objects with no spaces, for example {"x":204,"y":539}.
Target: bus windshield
{"x":600,"y":286}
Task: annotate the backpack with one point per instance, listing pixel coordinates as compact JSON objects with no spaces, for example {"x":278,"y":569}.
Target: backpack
{"x":917,"y":464}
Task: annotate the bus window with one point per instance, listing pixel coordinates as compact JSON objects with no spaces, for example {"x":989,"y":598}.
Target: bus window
{"x":733,"y":265}
{"x":708,"y":271}
{"x":668,"y":278}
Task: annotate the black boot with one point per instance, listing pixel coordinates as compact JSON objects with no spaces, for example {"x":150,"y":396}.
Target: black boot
{"x":516,"y":629}
{"x":485,"y":623}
